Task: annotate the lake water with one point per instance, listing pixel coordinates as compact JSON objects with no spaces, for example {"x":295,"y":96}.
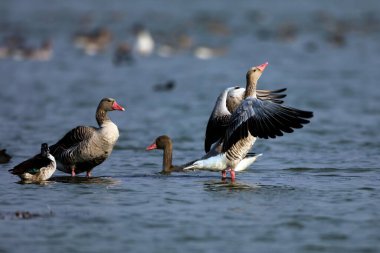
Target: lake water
{"x":315,"y":190}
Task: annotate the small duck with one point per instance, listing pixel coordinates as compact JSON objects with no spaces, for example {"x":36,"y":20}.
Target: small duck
{"x":205,"y":53}
{"x":4,"y":52}
{"x":168,"y":86}
{"x":38,"y":168}
{"x":10,"y":45}
{"x":94,"y":42}
{"x":44,"y":53}
{"x":144,"y":44}
{"x":123,"y":54}
{"x":174,"y":44}
{"x":4,"y":157}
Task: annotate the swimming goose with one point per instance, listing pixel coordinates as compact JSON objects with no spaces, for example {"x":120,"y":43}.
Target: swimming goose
{"x":38,"y":168}
{"x":85,"y":147}
{"x":253,"y":118}
{"x":164,"y":142}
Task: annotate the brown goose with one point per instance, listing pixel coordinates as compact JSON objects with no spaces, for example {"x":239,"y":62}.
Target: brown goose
{"x":253,"y":118}
{"x":38,"y":168}
{"x":164,"y":142}
{"x":85,"y":147}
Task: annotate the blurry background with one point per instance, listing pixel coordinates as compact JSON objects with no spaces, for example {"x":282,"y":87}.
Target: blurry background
{"x":315,"y":190}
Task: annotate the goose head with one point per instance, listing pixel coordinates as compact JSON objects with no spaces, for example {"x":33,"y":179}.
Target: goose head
{"x":110,"y":104}
{"x":252,"y":77}
{"x":254,"y":73}
{"x":160,"y":142}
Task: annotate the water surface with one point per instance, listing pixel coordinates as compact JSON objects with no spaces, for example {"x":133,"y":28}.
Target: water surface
{"x":315,"y":190}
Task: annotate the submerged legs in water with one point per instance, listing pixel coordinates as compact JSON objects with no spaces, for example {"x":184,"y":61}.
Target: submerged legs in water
{"x":73,"y":171}
{"x":224,"y":174}
{"x":232,"y":173}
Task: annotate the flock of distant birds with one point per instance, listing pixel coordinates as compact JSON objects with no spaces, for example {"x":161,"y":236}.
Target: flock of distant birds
{"x":240,"y":115}
{"x":96,"y":41}
{"x":14,"y":47}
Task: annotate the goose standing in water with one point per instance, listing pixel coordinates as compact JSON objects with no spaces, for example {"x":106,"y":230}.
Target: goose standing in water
{"x":85,"y":147}
{"x":225,"y":105}
{"x":38,"y":168}
{"x":253,"y":118}
{"x":165,"y":143}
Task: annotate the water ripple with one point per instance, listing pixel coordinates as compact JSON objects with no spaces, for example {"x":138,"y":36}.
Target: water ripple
{"x":85,"y":180}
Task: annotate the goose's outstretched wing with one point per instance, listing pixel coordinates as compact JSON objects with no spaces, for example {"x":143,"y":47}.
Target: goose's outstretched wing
{"x":216,"y":129}
{"x":263,"y":119}
{"x":220,"y":117}
{"x":275,"y":96}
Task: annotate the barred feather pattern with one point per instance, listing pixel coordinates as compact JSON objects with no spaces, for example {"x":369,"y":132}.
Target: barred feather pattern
{"x":263,"y":119}
{"x":239,"y":150}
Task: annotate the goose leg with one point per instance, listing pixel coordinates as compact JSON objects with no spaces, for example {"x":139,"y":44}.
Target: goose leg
{"x":224,"y":174}
{"x":73,"y":171}
{"x":88,"y":174}
{"x":232,"y":173}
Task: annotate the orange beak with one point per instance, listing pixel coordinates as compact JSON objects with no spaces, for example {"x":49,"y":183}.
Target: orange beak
{"x":151,"y":146}
{"x":262,"y":66}
{"x":116,"y":106}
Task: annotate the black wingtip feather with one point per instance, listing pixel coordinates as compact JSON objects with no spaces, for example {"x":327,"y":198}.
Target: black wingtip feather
{"x":264,"y":119}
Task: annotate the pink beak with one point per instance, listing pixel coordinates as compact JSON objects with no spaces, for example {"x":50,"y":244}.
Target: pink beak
{"x":116,"y":106}
{"x":152,"y":146}
{"x":262,"y":66}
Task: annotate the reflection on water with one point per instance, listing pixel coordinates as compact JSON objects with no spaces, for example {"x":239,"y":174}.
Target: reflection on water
{"x":328,"y":170}
{"x":226,"y":184}
{"x":36,"y":183}
{"x":24,"y":215}
{"x":85,"y":180}
{"x":315,"y":170}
